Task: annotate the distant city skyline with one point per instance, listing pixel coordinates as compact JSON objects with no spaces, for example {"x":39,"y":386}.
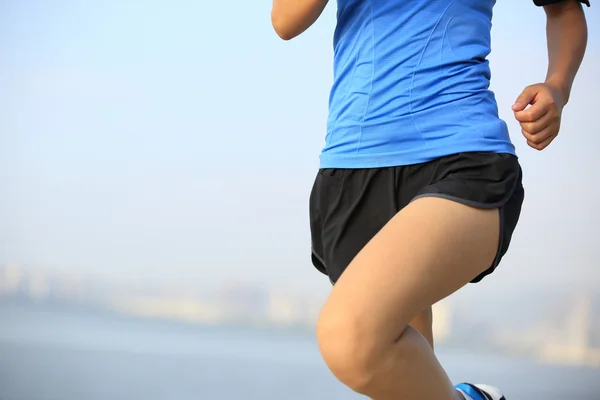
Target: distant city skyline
{"x":569,"y":334}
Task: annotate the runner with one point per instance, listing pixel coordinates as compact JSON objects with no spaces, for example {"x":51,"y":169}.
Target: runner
{"x":419,"y":187}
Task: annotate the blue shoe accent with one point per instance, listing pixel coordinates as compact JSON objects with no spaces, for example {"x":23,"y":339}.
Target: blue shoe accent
{"x":480,"y":392}
{"x":471,"y":390}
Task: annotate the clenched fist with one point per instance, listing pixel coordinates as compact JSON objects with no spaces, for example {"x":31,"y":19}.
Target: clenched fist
{"x":540,"y":123}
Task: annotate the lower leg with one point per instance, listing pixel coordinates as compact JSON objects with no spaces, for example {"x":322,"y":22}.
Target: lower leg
{"x":412,"y":358}
{"x":423,"y":323}
{"x":407,"y":370}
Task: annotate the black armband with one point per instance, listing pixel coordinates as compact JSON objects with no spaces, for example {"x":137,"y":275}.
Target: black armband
{"x":541,"y":3}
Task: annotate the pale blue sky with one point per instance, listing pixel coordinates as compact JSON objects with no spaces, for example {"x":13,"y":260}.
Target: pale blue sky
{"x":180,"y":139}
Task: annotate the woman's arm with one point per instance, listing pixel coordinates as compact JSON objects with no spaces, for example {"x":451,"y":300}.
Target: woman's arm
{"x":292,"y":17}
{"x":566,"y":30}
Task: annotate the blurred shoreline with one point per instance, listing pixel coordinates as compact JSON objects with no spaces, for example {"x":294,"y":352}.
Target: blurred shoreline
{"x":565,"y":335}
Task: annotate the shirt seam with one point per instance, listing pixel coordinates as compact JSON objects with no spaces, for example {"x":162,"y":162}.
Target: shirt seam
{"x":412,"y":82}
{"x":345,"y":97}
{"x":373,"y":58}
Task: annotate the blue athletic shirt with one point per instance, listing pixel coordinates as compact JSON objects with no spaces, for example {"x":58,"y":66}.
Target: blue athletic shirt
{"x":411,"y":83}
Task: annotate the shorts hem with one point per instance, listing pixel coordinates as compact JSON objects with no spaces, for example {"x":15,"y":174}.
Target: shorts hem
{"x":319,"y":265}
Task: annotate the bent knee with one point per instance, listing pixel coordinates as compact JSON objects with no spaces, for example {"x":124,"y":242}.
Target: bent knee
{"x":352,"y":353}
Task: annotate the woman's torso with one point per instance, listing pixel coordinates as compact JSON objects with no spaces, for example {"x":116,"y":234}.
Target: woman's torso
{"x":411,"y":83}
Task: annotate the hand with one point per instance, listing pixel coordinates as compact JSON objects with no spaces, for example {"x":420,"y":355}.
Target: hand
{"x":540,"y":123}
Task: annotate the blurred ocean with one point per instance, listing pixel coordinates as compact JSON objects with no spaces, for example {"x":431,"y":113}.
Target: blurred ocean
{"x":49,"y":354}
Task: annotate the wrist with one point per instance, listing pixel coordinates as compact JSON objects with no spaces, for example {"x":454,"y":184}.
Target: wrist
{"x":560,"y":86}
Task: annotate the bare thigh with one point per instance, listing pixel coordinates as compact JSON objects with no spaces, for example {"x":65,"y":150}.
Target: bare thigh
{"x":426,"y":252}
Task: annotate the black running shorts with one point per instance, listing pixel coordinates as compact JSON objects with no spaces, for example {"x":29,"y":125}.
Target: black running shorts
{"x":349,"y":206}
